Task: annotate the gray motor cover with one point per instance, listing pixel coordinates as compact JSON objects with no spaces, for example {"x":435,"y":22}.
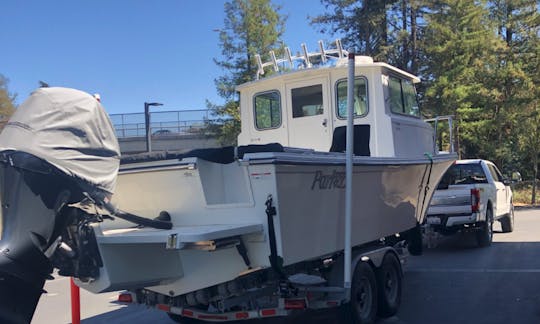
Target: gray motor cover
{"x":69,"y":129}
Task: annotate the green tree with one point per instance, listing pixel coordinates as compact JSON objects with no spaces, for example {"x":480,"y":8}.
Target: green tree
{"x":518,"y":23}
{"x":250,"y":27}
{"x":510,"y":85}
{"x":404,"y":34}
{"x":7,"y":101}
{"x":361,"y":24}
{"x":387,"y":30}
{"x":460,"y":51}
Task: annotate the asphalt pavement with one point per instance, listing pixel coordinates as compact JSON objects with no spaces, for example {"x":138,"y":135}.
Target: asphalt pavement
{"x":454,"y":282}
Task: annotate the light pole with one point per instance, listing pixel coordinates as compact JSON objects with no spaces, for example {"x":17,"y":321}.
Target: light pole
{"x":147,"y":123}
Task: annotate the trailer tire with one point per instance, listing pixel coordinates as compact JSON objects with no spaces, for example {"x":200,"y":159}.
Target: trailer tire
{"x":183,"y":320}
{"x":389,"y":285}
{"x":362,"y":308}
{"x":507,"y":222}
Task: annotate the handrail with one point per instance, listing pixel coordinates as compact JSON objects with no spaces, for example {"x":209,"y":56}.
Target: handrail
{"x":436,"y":120}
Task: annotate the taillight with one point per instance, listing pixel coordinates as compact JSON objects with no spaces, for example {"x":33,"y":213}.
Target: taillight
{"x":125,"y":297}
{"x":475,"y":200}
{"x":295,"y":303}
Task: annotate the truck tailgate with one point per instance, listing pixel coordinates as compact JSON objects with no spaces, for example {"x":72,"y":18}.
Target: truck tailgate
{"x":450,"y":201}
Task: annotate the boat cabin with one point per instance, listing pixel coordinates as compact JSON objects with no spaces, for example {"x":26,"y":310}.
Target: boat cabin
{"x":305,"y":106}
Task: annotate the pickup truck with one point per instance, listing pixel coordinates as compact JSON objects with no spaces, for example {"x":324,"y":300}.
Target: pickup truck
{"x":470,"y":197}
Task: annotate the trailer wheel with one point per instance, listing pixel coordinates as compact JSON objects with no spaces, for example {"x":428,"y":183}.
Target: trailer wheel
{"x":362,"y":308}
{"x":389,"y":284}
{"x":183,"y":320}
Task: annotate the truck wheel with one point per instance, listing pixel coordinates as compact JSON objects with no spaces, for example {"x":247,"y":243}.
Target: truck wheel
{"x":183,"y":320}
{"x":507,"y":222}
{"x":484,"y":236}
{"x":389,"y":284}
{"x":362,"y":308}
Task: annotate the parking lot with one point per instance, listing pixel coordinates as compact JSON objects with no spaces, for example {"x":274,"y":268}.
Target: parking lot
{"x":455,"y":282}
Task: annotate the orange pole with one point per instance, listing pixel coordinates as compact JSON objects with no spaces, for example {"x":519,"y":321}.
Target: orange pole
{"x":75,"y":303}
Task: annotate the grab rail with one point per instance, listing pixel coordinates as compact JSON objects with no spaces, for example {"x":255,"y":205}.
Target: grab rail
{"x":436,"y":121}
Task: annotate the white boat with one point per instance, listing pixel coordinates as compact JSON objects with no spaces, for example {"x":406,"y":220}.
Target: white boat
{"x":395,"y":173}
{"x":229,"y":218}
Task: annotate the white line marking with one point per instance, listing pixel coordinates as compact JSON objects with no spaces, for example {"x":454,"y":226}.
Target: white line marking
{"x":462,"y":270}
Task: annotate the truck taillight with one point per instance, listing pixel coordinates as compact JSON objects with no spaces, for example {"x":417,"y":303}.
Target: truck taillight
{"x":475,"y":200}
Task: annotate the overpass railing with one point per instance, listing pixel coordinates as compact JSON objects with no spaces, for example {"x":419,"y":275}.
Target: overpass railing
{"x":162,"y":123}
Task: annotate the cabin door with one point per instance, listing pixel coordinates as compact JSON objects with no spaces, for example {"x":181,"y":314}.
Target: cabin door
{"x":309,"y":116}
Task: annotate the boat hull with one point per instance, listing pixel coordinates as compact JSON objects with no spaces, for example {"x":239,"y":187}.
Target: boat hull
{"x":307,"y":190}
{"x":387,"y":199}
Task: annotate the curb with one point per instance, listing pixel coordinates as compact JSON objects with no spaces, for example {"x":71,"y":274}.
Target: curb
{"x":526,"y":207}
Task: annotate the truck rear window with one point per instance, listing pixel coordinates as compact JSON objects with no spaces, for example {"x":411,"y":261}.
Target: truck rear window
{"x":462,"y":174}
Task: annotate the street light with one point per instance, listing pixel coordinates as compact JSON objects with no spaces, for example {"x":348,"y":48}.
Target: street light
{"x":147,"y":123}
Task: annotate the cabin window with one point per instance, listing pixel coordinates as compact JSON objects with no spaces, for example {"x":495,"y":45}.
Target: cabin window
{"x":307,"y":101}
{"x":360,"y":97}
{"x":403,"y":97}
{"x":267,"y":110}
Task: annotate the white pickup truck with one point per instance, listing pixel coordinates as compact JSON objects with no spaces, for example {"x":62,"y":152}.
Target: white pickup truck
{"x":470,"y":197}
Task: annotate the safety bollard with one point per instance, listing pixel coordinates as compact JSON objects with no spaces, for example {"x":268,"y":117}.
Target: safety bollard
{"x":75,"y":303}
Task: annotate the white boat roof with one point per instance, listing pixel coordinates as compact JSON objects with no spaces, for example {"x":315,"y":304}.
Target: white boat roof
{"x":341,"y":64}
{"x":336,"y":58}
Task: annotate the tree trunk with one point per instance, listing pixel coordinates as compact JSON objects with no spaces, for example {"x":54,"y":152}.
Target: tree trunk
{"x":383,"y":31}
{"x":509,"y":32}
{"x":405,"y":47}
{"x":457,"y":147}
{"x":414,"y":45}
{"x":535,"y":176}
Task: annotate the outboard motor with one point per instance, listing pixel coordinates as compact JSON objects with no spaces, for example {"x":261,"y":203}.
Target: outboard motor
{"x":58,"y":149}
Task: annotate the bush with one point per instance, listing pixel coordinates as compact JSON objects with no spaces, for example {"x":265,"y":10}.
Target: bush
{"x":522,"y":192}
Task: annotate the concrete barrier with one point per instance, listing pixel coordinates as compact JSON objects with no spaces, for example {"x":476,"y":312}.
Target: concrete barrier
{"x":133,"y":145}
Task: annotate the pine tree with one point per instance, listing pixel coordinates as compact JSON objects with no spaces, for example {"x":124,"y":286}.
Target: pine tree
{"x":387,"y":30}
{"x":250,"y":27}
{"x":404,"y":33}
{"x":518,"y":23}
{"x":460,"y":52}
{"x":362,"y":25}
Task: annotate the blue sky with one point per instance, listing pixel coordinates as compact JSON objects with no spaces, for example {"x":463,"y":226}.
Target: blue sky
{"x":128,"y":51}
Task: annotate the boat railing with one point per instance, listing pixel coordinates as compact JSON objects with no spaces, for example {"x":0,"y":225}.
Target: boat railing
{"x":438,"y":140}
{"x":302,"y":60}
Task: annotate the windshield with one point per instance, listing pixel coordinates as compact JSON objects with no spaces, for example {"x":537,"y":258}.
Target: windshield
{"x":463,"y":174}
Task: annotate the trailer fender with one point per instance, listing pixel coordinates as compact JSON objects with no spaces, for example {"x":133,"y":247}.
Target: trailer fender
{"x":373,"y":257}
